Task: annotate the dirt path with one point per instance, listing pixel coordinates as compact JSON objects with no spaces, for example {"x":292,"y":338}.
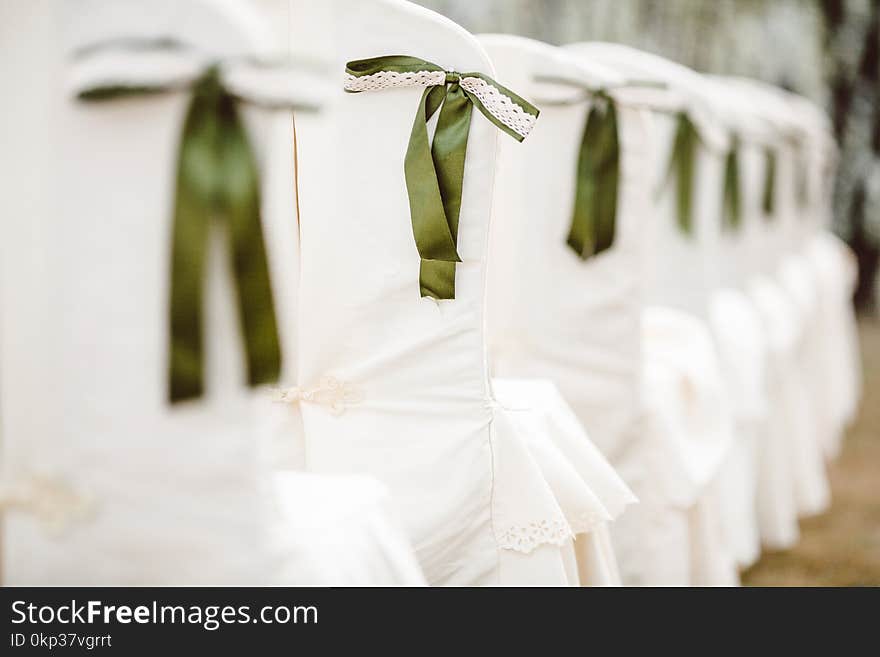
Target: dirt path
{"x":841,"y":547}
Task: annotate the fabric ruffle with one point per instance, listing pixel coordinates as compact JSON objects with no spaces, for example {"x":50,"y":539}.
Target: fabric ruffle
{"x":525,"y":511}
{"x":557,"y":436}
{"x":551,"y":486}
{"x":835,"y":271}
{"x":787,"y":485}
{"x":684,"y":394}
{"x":739,"y":337}
{"x":685,"y":437}
{"x":808,"y":386}
{"x":736,"y":327}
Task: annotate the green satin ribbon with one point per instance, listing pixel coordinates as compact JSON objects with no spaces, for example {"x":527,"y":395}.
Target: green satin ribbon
{"x":802,"y":174}
{"x":434,"y":170}
{"x":594,"y":217}
{"x":732,"y":205}
{"x":598,"y":173}
{"x":217,"y":179}
{"x":769,"y":197}
{"x":682,"y":165}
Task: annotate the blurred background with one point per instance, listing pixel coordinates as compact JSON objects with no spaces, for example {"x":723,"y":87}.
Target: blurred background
{"x":829,"y":51}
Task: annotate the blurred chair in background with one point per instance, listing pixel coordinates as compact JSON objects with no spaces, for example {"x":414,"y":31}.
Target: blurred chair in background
{"x":108,"y":483}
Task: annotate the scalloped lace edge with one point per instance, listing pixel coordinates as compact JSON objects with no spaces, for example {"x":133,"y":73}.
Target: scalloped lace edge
{"x":528,"y":537}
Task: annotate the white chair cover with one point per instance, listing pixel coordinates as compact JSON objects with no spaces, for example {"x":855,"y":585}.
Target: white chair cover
{"x":682,"y":269}
{"x":737,"y":325}
{"x":684,"y":272}
{"x":837,"y":273}
{"x":342,"y":531}
{"x":836,"y":369}
{"x":554,"y":315}
{"x":481,"y":494}
{"x":104,"y":482}
{"x":573,"y":321}
{"x":577,"y":322}
{"x":784,"y":262}
{"x":26,"y":32}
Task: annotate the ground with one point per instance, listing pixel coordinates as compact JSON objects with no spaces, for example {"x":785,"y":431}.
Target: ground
{"x":842,"y":546}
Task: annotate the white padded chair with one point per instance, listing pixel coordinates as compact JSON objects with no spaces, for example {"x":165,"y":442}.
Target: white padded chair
{"x":580,"y":322}
{"x":685,"y":277}
{"x":781,"y":255}
{"x":488,"y":495}
{"x":104,"y":481}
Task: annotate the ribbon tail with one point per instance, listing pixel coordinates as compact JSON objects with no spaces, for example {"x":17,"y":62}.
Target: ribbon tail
{"x":595,"y":210}
{"x":682,"y":163}
{"x":581,"y":234}
{"x":802,"y":165}
{"x":189,"y":231}
{"x":437,"y":279}
{"x":448,"y":151}
{"x":192,"y":212}
{"x":432,"y":230}
{"x":732,"y":215}
{"x":609,"y":178}
{"x":240,"y":208}
{"x":769,"y":196}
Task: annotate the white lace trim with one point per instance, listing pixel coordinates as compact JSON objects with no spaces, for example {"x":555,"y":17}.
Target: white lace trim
{"x":500,"y":106}
{"x":330,"y":392}
{"x":54,"y":502}
{"x":587,"y":521}
{"x":526,"y":538}
{"x":393,"y":79}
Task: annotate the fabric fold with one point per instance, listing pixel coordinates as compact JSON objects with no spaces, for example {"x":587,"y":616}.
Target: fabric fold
{"x":684,"y":394}
{"x":547,"y":412}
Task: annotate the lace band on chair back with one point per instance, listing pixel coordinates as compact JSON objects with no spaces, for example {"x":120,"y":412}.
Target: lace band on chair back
{"x":434,"y":170}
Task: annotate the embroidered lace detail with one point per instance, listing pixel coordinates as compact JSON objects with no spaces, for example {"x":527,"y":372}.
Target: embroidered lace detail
{"x":525,"y":538}
{"x":500,"y":106}
{"x":586,"y":522}
{"x":393,"y":79}
{"x":335,"y":394}
{"x":53,"y":501}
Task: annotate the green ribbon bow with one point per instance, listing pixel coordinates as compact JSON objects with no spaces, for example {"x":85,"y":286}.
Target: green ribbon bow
{"x":217,"y":178}
{"x":594,"y":218}
{"x":769,"y":196}
{"x":434,"y":171}
{"x":682,"y":163}
{"x":732,"y":207}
